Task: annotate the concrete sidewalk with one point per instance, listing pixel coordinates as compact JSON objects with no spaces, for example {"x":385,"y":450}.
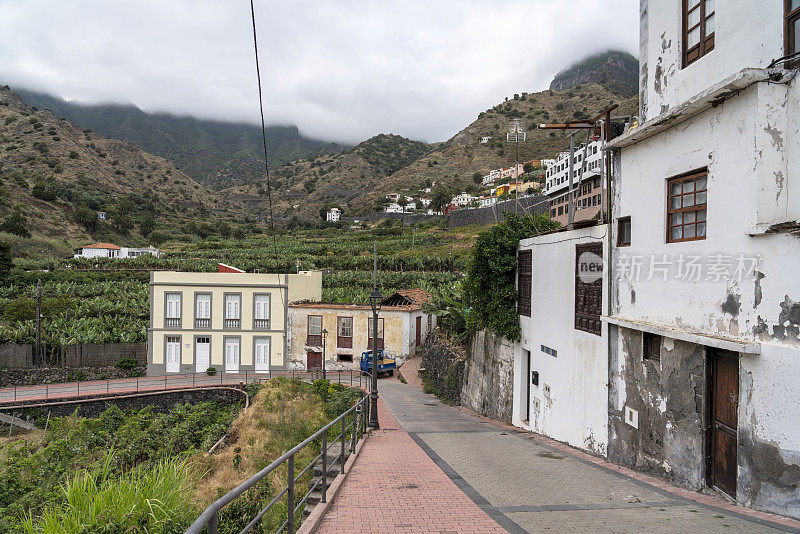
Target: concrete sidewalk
{"x":523,"y":482}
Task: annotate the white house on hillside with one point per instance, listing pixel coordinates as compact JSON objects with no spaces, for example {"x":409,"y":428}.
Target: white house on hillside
{"x":108,"y":250}
{"x":333,"y":215}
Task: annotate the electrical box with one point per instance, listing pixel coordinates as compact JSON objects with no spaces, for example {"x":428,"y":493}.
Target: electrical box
{"x":547,"y":391}
{"x":535,"y":378}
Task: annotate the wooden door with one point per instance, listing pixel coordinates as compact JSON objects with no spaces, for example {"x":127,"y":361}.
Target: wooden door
{"x":419,"y":330}
{"x":314,"y":360}
{"x":724,"y":420}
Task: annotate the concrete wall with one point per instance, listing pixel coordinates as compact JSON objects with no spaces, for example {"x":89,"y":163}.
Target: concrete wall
{"x":489,"y":376}
{"x":281,"y":288}
{"x":54,"y":375}
{"x":669,"y":400}
{"x":748,"y":34}
{"x":569,"y":403}
{"x":494,"y":214}
{"x":85,"y":355}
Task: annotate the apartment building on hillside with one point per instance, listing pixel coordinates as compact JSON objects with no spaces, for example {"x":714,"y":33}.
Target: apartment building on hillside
{"x":586,"y":180}
{"x":231,"y":321}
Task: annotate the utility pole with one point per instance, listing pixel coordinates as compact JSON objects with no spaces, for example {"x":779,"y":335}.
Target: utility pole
{"x":38,"y":355}
{"x":570,"y":198}
{"x":413,"y":238}
{"x":515,"y":131}
{"x":375,"y":301}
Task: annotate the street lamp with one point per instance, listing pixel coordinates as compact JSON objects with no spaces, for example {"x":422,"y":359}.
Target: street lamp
{"x":324,"y":340}
{"x":375,"y":300}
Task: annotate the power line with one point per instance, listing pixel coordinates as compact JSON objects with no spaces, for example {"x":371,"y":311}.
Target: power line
{"x":264,"y":135}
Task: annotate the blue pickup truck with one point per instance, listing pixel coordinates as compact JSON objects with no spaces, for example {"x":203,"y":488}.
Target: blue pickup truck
{"x":386,"y":364}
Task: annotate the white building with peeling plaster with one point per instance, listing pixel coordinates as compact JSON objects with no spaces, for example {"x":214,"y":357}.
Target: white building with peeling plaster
{"x":704,"y":309}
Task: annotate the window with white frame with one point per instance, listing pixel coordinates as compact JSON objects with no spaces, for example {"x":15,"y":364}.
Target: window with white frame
{"x":233,"y":310}
{"x":172,"y":319}
{"x":261,"y":313}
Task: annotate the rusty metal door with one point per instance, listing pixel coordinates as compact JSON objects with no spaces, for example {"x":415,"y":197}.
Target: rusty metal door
{"x":314,"y":360}
{"x":724,"y":419}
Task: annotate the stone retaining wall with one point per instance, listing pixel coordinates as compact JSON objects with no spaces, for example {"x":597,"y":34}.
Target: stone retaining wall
{"x":489,"y":376}
{"x":159,"y":401}
{"x":444,"y":367}
{"x":55,"y":375}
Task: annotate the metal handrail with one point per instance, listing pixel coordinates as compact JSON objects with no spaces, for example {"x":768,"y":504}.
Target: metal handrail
{"x":88,"y":388}
{"x":210,"y":517}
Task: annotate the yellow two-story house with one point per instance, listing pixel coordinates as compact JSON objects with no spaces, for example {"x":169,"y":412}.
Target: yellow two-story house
{"x":231,"y":321}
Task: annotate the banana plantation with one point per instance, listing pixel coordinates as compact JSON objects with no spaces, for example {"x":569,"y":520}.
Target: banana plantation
{"x":103,"y":300}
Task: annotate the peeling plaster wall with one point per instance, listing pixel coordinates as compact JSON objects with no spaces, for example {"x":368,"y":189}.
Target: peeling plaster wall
{"x":668,"y":397}
{"x":750,"y":144}
{"x":731,"y":140}
{"x":575,"y":410}
{"x":745,"y":36}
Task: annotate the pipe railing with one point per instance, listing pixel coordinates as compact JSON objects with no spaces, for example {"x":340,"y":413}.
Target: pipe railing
{"x":70,"y":390}
{"x":358,"y":415}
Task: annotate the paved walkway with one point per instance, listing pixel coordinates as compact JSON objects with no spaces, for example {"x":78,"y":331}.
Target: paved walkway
{"x":523,"y":482}
{"x":394,"y":486}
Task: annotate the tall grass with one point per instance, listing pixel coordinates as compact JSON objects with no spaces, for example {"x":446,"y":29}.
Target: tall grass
{"x":155,"y":499}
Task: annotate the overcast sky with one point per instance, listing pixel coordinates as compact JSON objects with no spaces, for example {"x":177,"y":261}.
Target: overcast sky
{"x":340,"y":69}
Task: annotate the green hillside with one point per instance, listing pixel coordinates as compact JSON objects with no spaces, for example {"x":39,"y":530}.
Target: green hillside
{"x":217,"y":154}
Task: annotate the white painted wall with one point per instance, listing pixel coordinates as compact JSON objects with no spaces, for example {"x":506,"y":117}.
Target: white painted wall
{"x":97,"y":253}
{"x":742,"y":161}
{"x":747,"y":34}
{"x":576,"y":411}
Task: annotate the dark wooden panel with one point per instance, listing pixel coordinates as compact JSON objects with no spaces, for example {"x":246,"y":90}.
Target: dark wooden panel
{"x":588,"y":297}
{"x":725,"y":461}
{"x":726,"y":389}
{"x":314,"y":360}
{"x":524,"y":282}
{"x":419,"y":330}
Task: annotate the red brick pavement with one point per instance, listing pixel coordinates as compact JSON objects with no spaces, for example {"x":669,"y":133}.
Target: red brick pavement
{"x":395,"y":487}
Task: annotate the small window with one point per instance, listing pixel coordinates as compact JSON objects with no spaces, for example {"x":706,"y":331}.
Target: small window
{"x":698,"y":29}
{"x":791,"y":32}
{"x":202,"y":313}
{"x":651,"y":347}
{"x":686,"y":207}
{"x":624,"y":232}
{"x":344,"y":357}
{"x":344,"y":336}
{"x":314,"y":334}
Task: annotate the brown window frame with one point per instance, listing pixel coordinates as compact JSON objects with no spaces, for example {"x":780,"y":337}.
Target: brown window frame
{"x":790,"y":16}
{"x":524,"y":281}
{"x":620,"y":222}
{"x":706,"y":43}
{"x":344,"y":342}
{"x":314,"y":340}
{"x":696,"y":208}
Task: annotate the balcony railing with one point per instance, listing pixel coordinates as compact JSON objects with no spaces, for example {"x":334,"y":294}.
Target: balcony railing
{"x":261,"y":324}
{"x":172,"y":322}
{"x":232,"y":323}
{"x":202,"y":323}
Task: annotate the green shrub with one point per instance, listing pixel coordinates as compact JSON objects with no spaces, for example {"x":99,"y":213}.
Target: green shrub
{"x":127,"y":363}
{"x":211,"y":371}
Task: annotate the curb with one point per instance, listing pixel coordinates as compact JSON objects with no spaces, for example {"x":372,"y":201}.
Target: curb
{"x":313,"y":521}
